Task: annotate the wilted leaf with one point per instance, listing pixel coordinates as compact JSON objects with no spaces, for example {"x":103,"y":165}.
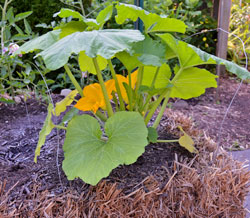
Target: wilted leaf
{"x":62,"y":105}
{"x":46,"y":130}
{"x":187,"y":142}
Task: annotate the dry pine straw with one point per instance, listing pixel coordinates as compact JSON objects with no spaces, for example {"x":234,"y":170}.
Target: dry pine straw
{"x":196,"y":188}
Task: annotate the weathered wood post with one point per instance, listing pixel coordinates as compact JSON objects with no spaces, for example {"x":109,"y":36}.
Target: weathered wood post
{"x":224,"y":12}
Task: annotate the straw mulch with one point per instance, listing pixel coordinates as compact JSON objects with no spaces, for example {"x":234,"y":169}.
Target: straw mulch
{"x":198,"y":187}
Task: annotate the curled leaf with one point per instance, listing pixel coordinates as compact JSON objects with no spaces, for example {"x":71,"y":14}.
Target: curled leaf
{"x":62,"y":105}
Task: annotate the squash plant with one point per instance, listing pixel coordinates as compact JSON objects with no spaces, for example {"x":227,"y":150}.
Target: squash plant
{"x":122,"y":107}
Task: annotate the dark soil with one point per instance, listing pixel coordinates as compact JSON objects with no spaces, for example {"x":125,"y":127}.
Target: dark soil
{"x":19,"y":133}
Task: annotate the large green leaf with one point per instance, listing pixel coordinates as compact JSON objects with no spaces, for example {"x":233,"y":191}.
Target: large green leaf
{"x":39,"y":43}
{"x":162,"y":79}
{"x":190,"y":55}
{"x":152,"y":22}
{"x":187,"y":56}
{"x":46,"y":130}
{"x":72,"y":27}
{"x":239,"y":71}
{"x":105,"y":43}
{"x":90,"y":157}
{"x":192,"y":82}
{"x":86,"y":63}
{"x":150,"y":52}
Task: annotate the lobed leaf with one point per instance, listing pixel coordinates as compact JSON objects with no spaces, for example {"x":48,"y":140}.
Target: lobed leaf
{"x":192,"y":82}
{"x":90,"y":157}
{"x":187,"y":56}
{"x":239,"y":71}
{"x":46,"y":130}
{"x":190,"y":56}
{"x":105,"y":43}
{"x":152,"y":22}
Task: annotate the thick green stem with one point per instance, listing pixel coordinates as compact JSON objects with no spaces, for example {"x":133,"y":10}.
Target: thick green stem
{"x":155,"y":77}
{"x":104,"y":90}
{"x":167,"y":141}
{"x":163,"y":107}
{"x":146,"y":104}
{"x":10,"y":79}
{"x":155,"y":106}
{"x":130,"y":94}
{"x":101,"y":115}
{"x":165,"y":94}
{"x":122,"y":106}
{"x":73,"y":80}
{"x":139,"y":79}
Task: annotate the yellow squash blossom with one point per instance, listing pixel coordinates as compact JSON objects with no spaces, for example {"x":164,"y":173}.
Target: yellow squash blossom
{"x":93,"y":97}
{"x":121,"y":79}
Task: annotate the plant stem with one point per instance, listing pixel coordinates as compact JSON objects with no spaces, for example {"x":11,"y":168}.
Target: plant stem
{"x":163,"y":107}
{"x":73,"y":80}
{"x":130,"y":94}
{"x":155,"y":105}
{"x":3,"y":27}
{"x":82,"y":8}
{"x":155,"y":76}
{"x":104,"y":90}
{"x":101,"y":115}
{"x":122,"y":106}
{"x":166,"y":141}
{"x":60,"y":127}
{"x":149,"y":96}
{"x":139,"y":79}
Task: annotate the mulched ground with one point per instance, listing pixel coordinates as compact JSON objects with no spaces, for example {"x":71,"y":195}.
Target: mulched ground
{"x":208,"y":114}
{"x":19,"y":135}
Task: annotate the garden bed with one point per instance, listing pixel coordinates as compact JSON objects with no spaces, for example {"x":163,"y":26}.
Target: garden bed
{"x":166,"y":181}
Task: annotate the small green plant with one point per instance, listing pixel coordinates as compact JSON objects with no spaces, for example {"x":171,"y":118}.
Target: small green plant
{"x":122,"y":107}
{"x":16,"y":75}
